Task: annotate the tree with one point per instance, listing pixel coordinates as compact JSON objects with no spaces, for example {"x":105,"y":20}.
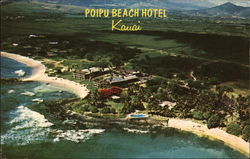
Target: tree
{"x":43,"y":51}
{"x":213,"y":81}
{"x":197,"y":115}
{"x":112,"y":110}
{"x":136,"y":103}
{"x":156,"y":81}
{"x":242,"y":106}
{"x":86,"y":108}
{"x":94,"y":110}
{"x":222,"y":89}
{"x":213,"y":121}
{"x":127,"y":108}
{"x":246,"y":133}
{"x":196,"y":84}
{"x":104,"y":84}
{"x":207,"y":115}
{"x":105,"y":110}
{"x":117,"y":60}
{"x":153,"y":105}
{"x":95,"y":99}
{"x":234,"y":128}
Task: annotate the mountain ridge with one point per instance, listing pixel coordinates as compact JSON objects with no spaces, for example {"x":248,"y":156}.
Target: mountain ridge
{"x":226,"y":9}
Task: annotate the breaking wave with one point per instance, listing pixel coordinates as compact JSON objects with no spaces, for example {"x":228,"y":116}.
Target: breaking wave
{"x":76,"y":136}
{"x":136,"y":131}
{"x":28,"y":127}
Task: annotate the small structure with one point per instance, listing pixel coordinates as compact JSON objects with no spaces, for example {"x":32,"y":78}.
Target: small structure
{"x":136,"y":116}
{"x":53,"y":43}
{"x":170,"y":105}
{"x":108,"y":92}
{"x":133,"y":72}
{"x":117,"y":78}
{"x":120,"y":80}
{"x":36,"y":36}
{"x":115,"y":98}
{"x":90,"y":72}
{"x":79,"y":74}
{"x":51,"y":54}
{"x":33,"y":36}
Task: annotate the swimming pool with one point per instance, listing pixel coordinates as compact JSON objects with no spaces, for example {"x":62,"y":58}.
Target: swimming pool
{"x":138,"y":116}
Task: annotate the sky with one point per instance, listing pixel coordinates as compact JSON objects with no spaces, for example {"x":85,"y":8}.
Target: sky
{"x":213,"y":3}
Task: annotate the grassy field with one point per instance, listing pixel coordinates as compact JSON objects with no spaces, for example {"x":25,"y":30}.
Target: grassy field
{"x":167,"y":46}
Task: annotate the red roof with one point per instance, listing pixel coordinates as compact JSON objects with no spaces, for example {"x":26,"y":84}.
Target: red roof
{"x":108,"y":92}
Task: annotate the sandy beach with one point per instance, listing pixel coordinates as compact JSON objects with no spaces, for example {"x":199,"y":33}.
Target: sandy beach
{"x":80,"y":90}
{"x":214,"y":133}
{"x":39,"y":75}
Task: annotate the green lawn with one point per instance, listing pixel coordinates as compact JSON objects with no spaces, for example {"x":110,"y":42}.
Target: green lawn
{"x":117,"y":106}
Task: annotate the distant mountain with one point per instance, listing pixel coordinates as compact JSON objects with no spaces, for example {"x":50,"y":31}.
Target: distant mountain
{"x":188,"y":7}
{"x":168,"y":4}
{"x":3,"y":2}
{"x":227,"y":9}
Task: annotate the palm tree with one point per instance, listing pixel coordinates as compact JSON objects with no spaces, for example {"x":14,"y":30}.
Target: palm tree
{"x":242,"y":106}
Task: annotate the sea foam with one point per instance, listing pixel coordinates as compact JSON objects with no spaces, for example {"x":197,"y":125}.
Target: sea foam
{"x":38,"y":100}
{"x":31,"y":127}
{"x":11,"y":91}
{"x":76,"y":136}
{"x":27,"y":93}
{"x":136,"y":131}
{"x":27,"y":127}
{"x":20,"y":73}
{"x":29,"y":118}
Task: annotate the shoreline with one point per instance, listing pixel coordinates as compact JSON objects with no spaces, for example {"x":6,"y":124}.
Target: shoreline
{"x":230,"y":140}
{"x":81,"y":91}
{"x":39,"y":75}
